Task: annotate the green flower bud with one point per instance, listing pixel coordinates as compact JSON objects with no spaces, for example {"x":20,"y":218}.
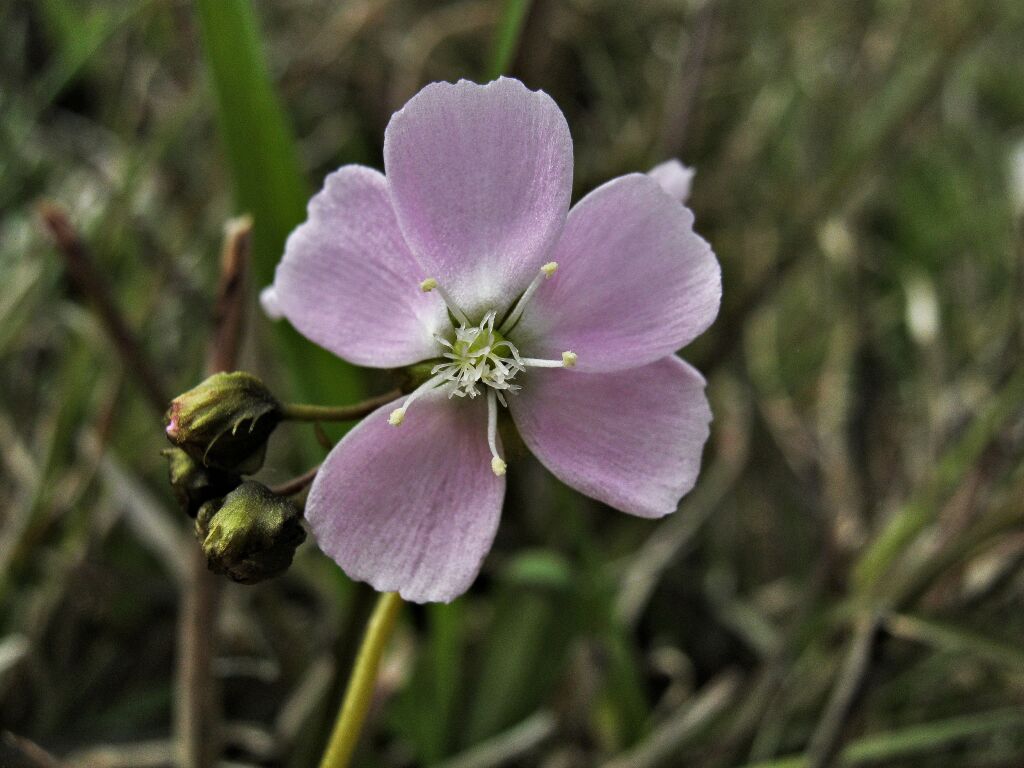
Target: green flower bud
{"x":225,"y":422}
{"x":192,"y":483}
{"x":251,"y":535}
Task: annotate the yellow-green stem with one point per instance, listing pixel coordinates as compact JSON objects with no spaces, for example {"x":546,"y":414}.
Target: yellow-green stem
{"x":359,"y":693}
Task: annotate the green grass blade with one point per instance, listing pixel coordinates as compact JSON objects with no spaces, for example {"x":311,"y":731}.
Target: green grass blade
{"x":916,"y":739}
{"x":506,"y":37}
{"x":874,"y":563}
{"x":268,"y":180}
{"x":954,"y":639}
{"x":78,"y":38}
{"x":260,"y":149}
{"x":427,"y":710}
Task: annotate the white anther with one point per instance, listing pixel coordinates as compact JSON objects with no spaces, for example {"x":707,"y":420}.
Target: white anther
{"x":498,"y":465}
{"x":569,"y":359}
{"x":431,"y":284}
{"x":545,"y":272}
{"x":397,"y":416}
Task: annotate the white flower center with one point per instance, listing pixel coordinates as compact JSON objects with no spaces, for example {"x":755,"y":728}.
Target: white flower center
{"x":481,"y":360}
{"x":479,"y":356}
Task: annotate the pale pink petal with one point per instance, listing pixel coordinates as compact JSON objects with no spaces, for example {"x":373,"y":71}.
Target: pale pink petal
{"x":411,"y":509}
{"x":632,"y":439}
{"x":634,"y":281}
{"x":348,"y":281}
{"x":270,"y":304}
{"x":480,"y":176}
{"x":675,"y":178}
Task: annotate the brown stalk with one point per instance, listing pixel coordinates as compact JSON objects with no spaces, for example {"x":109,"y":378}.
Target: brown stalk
{"x":681,"y":98}
{"x":31,"y":751}
{"x":87,"y":280}
{"x":228,"y":308}
{"x":197,"y":713}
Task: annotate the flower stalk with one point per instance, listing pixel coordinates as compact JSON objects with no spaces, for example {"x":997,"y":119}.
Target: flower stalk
{"x":359,"y":693}
{"x":304,"y":412}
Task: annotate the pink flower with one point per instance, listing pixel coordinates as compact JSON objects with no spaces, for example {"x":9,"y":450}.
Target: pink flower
{"x":466,"y":255}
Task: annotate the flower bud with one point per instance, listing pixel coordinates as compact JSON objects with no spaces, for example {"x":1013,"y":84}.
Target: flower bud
{"x":224,"y":423}
{"x":192,"y":483}
{"x":251,"y":535}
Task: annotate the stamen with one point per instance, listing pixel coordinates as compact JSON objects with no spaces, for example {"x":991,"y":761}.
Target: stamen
{"x":397,"y":416}
{"x":545,"y":272}
{"x":568,"y":361}
{"x":430,"y":284}
{"x":498,"y":465}
{"x":478,"y":357}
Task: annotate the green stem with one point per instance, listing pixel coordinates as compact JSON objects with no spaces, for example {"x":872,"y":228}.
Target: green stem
{"x":303,"y":412}
{"x":359,"y":693}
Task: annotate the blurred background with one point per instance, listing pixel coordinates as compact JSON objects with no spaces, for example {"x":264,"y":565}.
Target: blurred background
{"x":844,"y":585}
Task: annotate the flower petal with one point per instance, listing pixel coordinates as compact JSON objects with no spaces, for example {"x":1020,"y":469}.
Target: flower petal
{"x":480,"y":176}
{"x":675,"y":178}
{"x":634,"y":281}
{"x":348,"y":280}
{"x":270,"y":304}
{"x":413,"y":508}
{"x":632,"y":439}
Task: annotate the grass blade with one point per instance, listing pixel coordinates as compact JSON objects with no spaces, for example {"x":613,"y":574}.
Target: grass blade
{"x":506,"y":37}
{"x":268,"y":180}
{"x":949,"y":637}
{"x":916,"y":739}
{"x":259,"y":145}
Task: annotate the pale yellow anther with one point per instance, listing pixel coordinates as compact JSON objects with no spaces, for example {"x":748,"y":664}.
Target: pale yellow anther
{"x":549,"y":268}
{"x":428,"y":285}
{"x":498,"y":466}
{"x":397,"y":417}
{"x":568,"y":359}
